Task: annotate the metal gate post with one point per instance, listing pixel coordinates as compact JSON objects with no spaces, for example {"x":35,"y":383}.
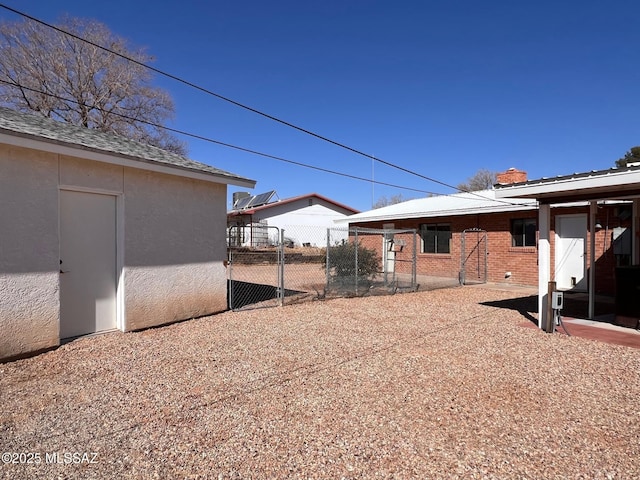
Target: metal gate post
{"x":356,"y":255}
{"x":486,"y":253}
{"x":230,"y":279}
{"x":463,"y":252}
{"x":328,"y":259}
{"x":414,"y":267}
{"x":480,"y":233}
{"x":281,"y":269}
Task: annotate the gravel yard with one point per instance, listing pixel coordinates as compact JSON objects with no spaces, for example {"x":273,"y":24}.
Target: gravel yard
{"x":422,"y":385}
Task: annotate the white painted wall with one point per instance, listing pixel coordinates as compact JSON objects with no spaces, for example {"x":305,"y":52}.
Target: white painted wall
{"x":172,"y":231}
{"x":29,"y":263}
{"x":174,"y":248}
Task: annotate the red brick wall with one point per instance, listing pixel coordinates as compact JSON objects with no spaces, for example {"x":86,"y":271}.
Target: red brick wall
{"x":511,"y":176}
{"x":521,"y":262}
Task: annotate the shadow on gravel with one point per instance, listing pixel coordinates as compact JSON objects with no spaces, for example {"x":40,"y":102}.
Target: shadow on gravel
{"x":240,"y":294}
{"x":576,"y":305}
{"x":524,"y":305}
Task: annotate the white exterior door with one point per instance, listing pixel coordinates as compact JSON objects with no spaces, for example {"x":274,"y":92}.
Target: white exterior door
{"x":571,"y":244}
{"x":388,"y":253}
{"x":87,"y":263}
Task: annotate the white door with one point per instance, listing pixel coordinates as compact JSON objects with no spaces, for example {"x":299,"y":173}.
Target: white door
{"x":388,"y":253}
{"x":87,"y":263}
{"x":571,"y":244}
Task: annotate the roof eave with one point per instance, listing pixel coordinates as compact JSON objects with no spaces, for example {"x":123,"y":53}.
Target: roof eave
{"x":592,"y":185}
{"x":434,"y":214}
{"x":35,"y":142}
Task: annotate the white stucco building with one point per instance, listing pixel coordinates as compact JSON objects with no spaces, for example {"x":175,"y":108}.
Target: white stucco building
{"x":99,"y":233}
{"x":304,"y":219}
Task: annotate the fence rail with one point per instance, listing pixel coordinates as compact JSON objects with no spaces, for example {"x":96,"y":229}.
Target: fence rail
{"x":306,"y":263}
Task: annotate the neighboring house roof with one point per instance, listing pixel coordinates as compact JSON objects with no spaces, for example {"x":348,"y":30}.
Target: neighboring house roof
{"x":594,"y":185}
{"x":483,"y":201}
{"x":61,"y":136}
{"x":262,"y":208}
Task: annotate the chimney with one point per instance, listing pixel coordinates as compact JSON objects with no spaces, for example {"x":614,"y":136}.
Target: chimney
{"x":511,"y":176}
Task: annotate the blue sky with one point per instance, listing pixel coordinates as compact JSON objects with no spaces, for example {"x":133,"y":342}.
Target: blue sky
{"x":440,"y":88}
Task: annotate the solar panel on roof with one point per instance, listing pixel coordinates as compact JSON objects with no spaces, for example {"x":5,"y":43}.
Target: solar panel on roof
{"x":243,"y":202}
{"x":261,"y":199}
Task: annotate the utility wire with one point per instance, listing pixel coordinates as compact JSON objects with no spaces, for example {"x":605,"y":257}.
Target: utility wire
{"x":246,"y":107}
{"x":218,"y":142}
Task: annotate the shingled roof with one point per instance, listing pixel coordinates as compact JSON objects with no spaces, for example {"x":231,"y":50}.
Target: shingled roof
{"x":37,"y":127}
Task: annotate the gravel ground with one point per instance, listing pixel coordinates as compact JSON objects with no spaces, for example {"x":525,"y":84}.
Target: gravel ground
{"x":424,"y":385}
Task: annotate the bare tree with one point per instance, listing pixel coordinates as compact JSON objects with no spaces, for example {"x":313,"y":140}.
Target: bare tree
{"x":67,"y":79}
{"x":482,"y":180}
{"x":384,"y":201}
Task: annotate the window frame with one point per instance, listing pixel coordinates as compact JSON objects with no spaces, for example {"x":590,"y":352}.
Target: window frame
{"x":525,"y":236}
{"x":438,"y":228}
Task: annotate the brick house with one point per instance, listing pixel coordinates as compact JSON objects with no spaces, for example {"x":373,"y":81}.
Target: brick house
{"x":477,"y":236}
{"x":612,"y":251}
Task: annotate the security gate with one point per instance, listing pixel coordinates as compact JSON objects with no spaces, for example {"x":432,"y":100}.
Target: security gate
{"x":473,"y":256}
{"x":255,"y":276}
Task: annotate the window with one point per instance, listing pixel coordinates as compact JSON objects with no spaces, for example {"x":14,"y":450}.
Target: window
{"x":436,"y":237}
{"x":523,"y":232}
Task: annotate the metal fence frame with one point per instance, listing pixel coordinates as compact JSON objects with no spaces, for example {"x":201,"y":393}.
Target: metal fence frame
{"x":481,"y":262}
{"x":242,"y":292}
{"x":272,"y":280}
{"x":389,"y":277}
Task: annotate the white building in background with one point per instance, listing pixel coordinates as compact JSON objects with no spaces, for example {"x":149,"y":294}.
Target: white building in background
{"x":256,"y":220}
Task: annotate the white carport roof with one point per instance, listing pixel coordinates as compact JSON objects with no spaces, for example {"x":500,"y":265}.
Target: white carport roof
{"x":484,"y":201}
{"x":623,"y":183}
{"x":595,"y":185}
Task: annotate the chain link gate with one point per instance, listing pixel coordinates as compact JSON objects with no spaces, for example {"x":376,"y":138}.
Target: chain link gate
{"x":473,"y":256}
{"x":371,"y":261}
{"x":255,"y":270}
{"x":267,"y":268}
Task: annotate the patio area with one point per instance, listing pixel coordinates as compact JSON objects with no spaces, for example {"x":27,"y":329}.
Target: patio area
{"x":602,"y":328}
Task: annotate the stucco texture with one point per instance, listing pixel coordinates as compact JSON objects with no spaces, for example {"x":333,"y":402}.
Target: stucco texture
{"x":29,"y":313}
{"x":174,"y":248}
{"x":171,"y":245}
{"x":29,"y":263}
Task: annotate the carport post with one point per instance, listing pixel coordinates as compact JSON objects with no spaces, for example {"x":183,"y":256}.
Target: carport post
{"x":549,"y":325}
{"x":544,"y":261}
{"x":593,"y":209}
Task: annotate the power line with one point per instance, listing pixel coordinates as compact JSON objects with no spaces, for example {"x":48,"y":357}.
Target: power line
{"x":218,"y":142}
{"x":238,"y":104}
{"x":246,"y":107}
{"x":243,"y":149}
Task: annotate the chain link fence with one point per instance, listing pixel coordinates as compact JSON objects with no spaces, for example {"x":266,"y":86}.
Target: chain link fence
{"x":371,"y":262}
{"x":270,"y":266}
{"x":254,"y":270}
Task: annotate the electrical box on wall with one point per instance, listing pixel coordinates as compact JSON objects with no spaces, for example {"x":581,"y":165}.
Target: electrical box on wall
{"x":557,"y":300}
